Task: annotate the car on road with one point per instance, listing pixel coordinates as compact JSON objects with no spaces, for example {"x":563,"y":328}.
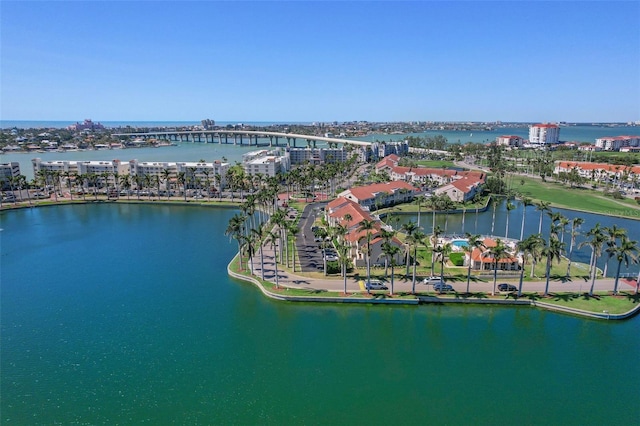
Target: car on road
{"x":432,"y":280}
{"x":442,"y":287}
{"x":507,"y":287}
{"x":375,"y":285}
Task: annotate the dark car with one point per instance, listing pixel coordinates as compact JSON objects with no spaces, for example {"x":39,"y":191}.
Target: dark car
{"x":506,"y":287}
{"x":442,"y":287}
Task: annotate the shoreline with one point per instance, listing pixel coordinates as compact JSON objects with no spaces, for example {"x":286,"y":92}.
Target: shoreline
{"x":427,"y":299}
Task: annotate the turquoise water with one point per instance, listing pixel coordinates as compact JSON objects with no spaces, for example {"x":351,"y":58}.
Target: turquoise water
{"x":125,"y":314}
{"x":460,"y":243}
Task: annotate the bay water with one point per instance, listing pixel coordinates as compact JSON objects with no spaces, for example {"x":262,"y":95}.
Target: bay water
{"x":124,"y":314}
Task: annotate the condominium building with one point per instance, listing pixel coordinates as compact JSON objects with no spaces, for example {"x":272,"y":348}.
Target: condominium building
{"x":544,"y":134}
{"x":54,"y":166}
{"x":509,"y":140}
{"x":317,"y":155}
{"x":7,"y":171}
{"x":212,"y":173}
{"x":266,"y":162}
{"x":615,"y":143}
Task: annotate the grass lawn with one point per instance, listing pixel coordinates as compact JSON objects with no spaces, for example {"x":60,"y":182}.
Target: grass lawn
{"x":600,"y":302}
{"x":436,"y":163}
{"x":584,"y":199}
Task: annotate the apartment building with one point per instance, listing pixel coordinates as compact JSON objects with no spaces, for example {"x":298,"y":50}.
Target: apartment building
{"x":544,"y":134}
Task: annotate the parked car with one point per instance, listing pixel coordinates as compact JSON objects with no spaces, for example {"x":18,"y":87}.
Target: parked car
{"x":432,"y":280}
{"x":507,"y":287}
{"x":442,"y":287}
{"x":375,"y":285}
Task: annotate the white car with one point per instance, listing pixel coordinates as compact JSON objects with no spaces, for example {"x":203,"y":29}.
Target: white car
{"x":375,"y":285}
{"x":432,"y":280}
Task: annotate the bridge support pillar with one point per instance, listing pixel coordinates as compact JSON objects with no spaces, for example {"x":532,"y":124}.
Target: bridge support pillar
{"x":270,"y":140}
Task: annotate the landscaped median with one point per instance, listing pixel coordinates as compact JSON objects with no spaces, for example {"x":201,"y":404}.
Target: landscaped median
{"x":601,"y":305}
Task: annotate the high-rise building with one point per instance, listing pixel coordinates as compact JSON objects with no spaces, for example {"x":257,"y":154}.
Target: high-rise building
{"x":544,"y":134}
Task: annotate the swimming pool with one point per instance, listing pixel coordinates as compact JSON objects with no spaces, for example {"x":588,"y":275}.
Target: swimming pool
{"x":460,"y":243}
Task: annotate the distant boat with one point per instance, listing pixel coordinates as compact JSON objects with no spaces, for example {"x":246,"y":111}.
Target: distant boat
{"x":470,"y":134}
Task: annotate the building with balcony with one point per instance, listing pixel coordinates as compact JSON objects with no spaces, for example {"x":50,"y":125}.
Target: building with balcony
{"x":544,"y":134}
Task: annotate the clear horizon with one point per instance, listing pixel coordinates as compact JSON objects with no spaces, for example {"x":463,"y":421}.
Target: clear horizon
{"x":321,"y":61}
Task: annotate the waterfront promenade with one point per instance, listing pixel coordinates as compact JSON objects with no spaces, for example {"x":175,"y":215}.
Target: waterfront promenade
{"x":404,"y":285}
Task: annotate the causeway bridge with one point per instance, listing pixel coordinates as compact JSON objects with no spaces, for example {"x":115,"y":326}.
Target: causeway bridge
{"x":237,"y":137}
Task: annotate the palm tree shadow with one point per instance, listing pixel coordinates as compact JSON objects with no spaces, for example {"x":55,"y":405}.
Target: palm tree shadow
{"x":561,"y":278}
{"x":566,"y":297}
{"x":471,"y":295}
{"x":635,"y":298}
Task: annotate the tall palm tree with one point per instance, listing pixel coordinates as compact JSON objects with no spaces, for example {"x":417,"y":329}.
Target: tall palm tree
{"x":552,"y":252}
{"x":367,"y":226}
{"x":542,"y":207}
{"x":473,"y":242}
{"x":527,"y":246}
{"x":612,"y":233}
{"x":166,"y":178}
{"x":595,"y":241}
{"x":235,"y":230}
{"x":434,"y":243}
{"x":494,"y":203}
{"x":272,"y":237}
{"x":258,"y":233}
{"x":443,"y":251}
{"x":419,"y":200}
{"x":408,"y":228}
{"x":510,"y":206}
{"x":498,"y":252}
{"x":525,"y":201}
{"x":386,"y":237}
{"x":626,"y":251}
{"x":343,"y":259}
{"x":575,"y":224}
{"x":390,"y":251}
{"x":417,"y":239}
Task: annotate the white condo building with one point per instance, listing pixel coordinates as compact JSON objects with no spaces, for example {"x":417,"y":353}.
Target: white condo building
{"x":544,"y":134}
{"x":265,"y":162}
{"x":509,"y":140}
{"x":615,"y":143}
{"x":7,"y":171}
{"x":202,"y":172}
{"x":317,"y":155}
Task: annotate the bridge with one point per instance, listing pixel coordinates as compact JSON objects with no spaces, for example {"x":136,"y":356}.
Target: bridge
{"x":223,"y":135}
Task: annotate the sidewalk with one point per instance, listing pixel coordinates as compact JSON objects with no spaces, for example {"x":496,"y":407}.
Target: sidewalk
{"x":289,"y":279}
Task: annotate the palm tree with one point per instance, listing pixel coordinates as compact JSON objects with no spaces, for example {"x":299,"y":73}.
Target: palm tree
{"x":343,"y":259}
{"x":443,"y":251}
{"x":612,"y":233}
{"x":419,"y":200}
{"x":525,"y":203}
{"x":390,"y":251}
{"x":409,"y":228}
{"x":498,"y":252}
{"x":434,"y":242}
{"x":575,"y":224}
{"x":473,"y":242}
{"x":166,"y":177}
{"x":258,"y":234}
{"x":293,"y":230}
{"x":494,"y":203}
{"x":367,"y":226}
{"x":417,"y":239}
{"x":272,"y":237}
{"x":527,"y":247}
{"x":387,"y":236}
{"x":235,"y":230}
{"x":626,"y":251}
{"x":510,"y":206}
{"x":596,"y":240}
{"x":552,"y":252}
{"x":542,"y":207}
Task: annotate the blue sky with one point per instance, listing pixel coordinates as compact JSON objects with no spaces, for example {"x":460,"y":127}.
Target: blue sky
{"x":320,"y":61}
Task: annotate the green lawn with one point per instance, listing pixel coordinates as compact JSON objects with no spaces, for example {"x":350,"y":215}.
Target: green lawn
{"x":600,"y":302}
{"x":436,"y":163}
{"x":584,"y":199}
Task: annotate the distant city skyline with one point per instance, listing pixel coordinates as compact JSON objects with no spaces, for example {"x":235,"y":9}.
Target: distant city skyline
{"x":299,"y":61}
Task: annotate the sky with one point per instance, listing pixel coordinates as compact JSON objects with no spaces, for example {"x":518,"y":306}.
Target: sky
{"x":304,"y":61}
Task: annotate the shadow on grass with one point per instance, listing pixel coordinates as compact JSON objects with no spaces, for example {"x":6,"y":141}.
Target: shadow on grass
{"x":635,"y":298}
{"x":471,"y":295}
{"x":565,"y":297}
{"x":561,"y":278}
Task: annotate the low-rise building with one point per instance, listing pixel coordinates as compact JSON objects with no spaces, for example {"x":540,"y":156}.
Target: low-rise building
{"x":510,"y":140}
{"x":379,"y":195}
{"x":616,"y":143}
